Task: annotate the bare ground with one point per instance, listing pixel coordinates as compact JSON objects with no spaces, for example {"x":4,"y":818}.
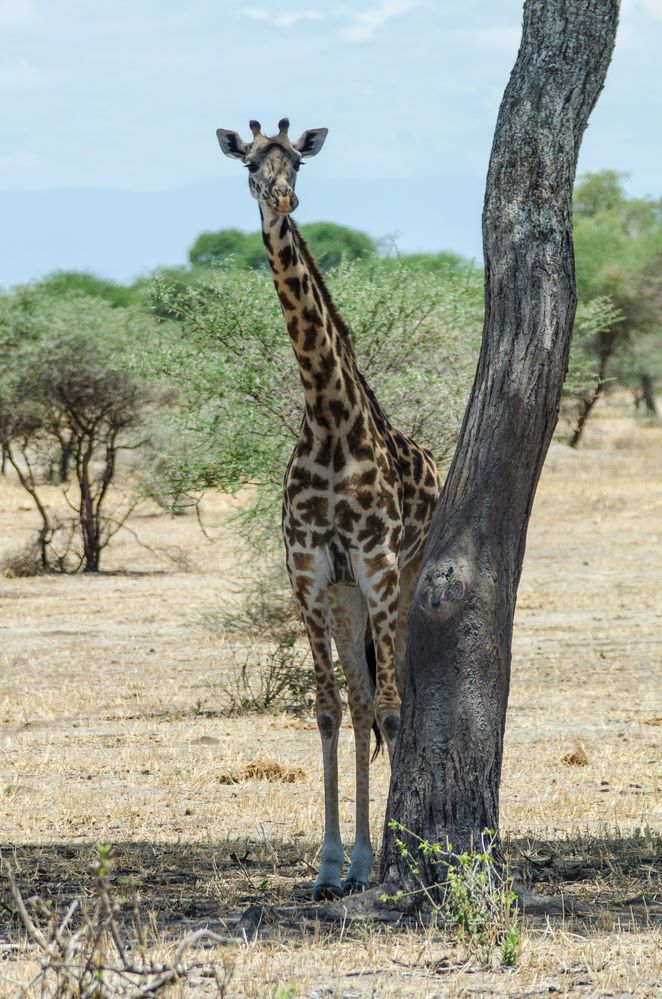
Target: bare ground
{"x":113,"y":729}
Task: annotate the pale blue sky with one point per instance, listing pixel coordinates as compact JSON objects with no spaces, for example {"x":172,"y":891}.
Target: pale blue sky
{"x":108,"y":109}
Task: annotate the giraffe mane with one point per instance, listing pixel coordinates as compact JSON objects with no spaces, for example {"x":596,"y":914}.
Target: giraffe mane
{"x":338,"y":321}
{"x":313,"y":269}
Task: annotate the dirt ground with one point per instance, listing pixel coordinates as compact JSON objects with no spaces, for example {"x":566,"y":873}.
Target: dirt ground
{"x":113,"y":690}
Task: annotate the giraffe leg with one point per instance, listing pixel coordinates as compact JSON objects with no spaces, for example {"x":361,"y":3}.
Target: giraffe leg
{"x":312,"y":596}
{"x":349,"y":615}
{"x":329,"y":715}
{"x":408,"y":580}
{"x":380,"y":583}
{"x":327,"y":883}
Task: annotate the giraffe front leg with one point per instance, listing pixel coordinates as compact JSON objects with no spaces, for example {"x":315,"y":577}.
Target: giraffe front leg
{"x":349,"y":616}
{"x":327,"y":883}
{"x":328,"y":708}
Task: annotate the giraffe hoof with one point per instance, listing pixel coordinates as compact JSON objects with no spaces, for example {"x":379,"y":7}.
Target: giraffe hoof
{"x":327,"y":893}
{"x":353,"y":887}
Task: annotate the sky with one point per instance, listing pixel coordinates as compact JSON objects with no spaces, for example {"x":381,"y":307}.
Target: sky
{"x":108,"y":109}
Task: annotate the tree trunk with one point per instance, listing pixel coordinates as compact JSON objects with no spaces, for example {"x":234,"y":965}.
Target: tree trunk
{"x":65,"y":457}
{"x":447,"y":765}
{"x":26,"y":478}
{"x":86,"y":513}
{"x":588,"y":402}
{"x":648,"y":395}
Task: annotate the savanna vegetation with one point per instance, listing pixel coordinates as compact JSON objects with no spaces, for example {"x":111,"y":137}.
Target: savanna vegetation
{"x":183,"y":385}
{"x":193,"y":367}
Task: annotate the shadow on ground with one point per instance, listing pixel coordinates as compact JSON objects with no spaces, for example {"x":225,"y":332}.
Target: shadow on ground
{"x":252,"y":886}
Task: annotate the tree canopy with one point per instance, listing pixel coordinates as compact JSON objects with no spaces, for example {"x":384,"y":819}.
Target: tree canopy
{"x":618,"y":253}
{"x":329,"y":242}
{"x":65,"y":282}
{"x":69,"y":396}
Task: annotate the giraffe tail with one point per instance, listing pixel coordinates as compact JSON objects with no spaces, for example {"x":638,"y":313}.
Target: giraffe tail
{"x":372,"y":669}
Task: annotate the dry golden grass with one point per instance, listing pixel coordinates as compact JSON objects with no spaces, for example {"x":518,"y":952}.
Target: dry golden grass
{"x":113,"y":729}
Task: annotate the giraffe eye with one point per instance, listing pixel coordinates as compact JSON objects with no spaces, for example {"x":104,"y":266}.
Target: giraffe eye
{"x":298,"y":164}
{"x":251,"y":167}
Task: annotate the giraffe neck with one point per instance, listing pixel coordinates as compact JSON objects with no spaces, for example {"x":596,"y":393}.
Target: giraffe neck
{"x":333,"y":387}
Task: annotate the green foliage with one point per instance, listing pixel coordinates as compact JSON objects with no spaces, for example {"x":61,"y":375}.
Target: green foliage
{"x":598,"y":193}
{"x":415,"y":336}
{"x":618,"y":250}
{"x":475,"y":896}
{"x":80,"y":282}
{"x":284,"y":991}
{"x":511,"y":947}
{"x":214,"y":246}
{"x":593,"y":320}
{"x":68,"y":398}
{"x":229,"y":355}
{"x":104,"y":859}
{"x":445,"y":262}
{"x":601,"y":196}
{"x":329,"y":243}
{"x":246,"y":250}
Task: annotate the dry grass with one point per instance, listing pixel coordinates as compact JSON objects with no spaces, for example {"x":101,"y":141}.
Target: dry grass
{"x":113,"y":728}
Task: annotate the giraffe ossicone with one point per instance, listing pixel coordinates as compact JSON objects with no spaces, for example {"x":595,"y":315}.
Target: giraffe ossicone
{"x":358,"y":498}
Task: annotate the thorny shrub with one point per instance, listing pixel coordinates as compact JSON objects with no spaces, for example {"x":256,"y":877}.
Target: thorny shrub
{"x":86,"y":954}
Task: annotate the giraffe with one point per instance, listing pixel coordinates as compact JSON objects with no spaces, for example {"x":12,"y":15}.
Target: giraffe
{"x":358,"y":497}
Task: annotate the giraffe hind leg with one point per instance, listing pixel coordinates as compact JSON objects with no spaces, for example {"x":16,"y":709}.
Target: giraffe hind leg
{"x":380,"y":584}
{"x":408,"y":580}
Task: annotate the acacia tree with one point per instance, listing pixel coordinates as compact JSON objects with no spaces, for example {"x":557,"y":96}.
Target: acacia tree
{"x":618,"y":246}
{"x":447,"y":765}
{"x":63,"y":386}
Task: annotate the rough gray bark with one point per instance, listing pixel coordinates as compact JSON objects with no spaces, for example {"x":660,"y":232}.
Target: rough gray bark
{"x":447,"y":766}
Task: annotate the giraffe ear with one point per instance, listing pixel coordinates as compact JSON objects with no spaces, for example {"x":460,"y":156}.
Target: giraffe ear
{"x":312,"y":140}
{"x":231,"y":143}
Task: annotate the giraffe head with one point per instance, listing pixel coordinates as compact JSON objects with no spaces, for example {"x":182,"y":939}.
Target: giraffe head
{"x":273,"y":161}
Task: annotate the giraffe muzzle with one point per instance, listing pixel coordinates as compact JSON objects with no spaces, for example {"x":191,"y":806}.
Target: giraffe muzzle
{"x":284,"y":202}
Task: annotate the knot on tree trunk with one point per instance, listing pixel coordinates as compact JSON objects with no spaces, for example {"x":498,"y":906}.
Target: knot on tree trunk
{"x":442,"y":591}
